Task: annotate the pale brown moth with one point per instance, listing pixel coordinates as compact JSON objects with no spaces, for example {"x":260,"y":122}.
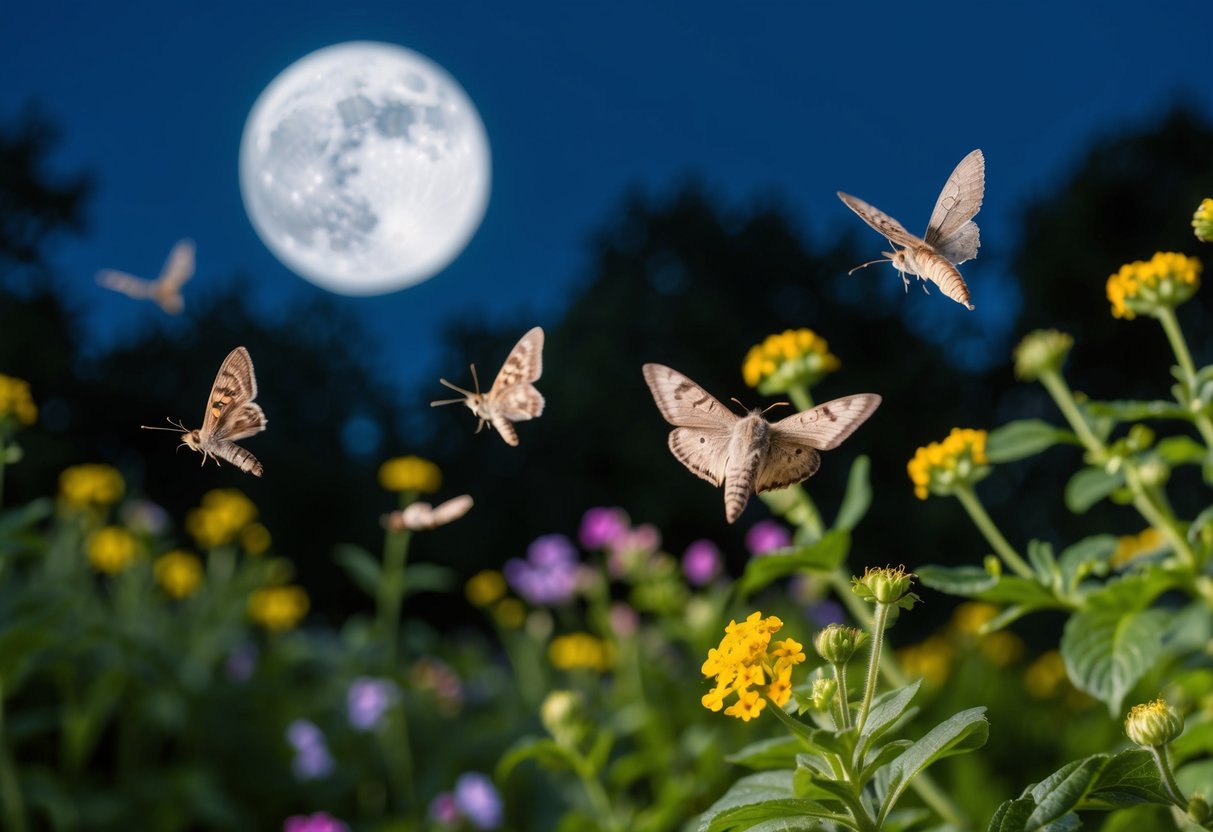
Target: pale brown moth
{"x":164,"y":290}
{"x":747,"y":453}
{"x":513,"y":397}
{"x":418,"y":517}
{"x":952,"y":237}
{"x":231,"y":414}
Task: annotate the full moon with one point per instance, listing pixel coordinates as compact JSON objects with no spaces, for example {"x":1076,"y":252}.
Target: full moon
{"x":364,"y":168}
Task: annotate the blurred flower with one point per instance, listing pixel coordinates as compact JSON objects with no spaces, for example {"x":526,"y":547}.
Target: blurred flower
{"x":144,"y":517}
{"x":601,"y":526}
{"x":224,"y":512}
{"x":110,"y":549}
{"x":438,"y":677}
{"x":484,"y":587}
{"x":970,"y":616}
{"x":821,"y":695}
{"x":1042,"y":351}
{"x":563,"y":714}
{"x":625,"y":621}
{"x":419,"y":517}
{"x":1130,"y":547}
{"x":766,"y":536}
{"x":701,"y":562}
{"x":368,"y":699}
{"x":940,"y":466}
{"x":930,"y":659}
{"x":745,"y":659}
{"x":255,"y":539}
{"x":16,"y":403}
{"x":478,"y":800}
{"x":1202,"y":221}
{"x":410,"y":473}
{"x":826,"y":612}
{"x":1153,"y":724}
{"x":178,"y":573}
{"x":577,"y":651}
{"x":1046,"y":677}
{"x":1144,"y":287}
{"x":318,"y":822}
{"x":443,"y":808}
{"x":886,"y":585}
{"x":1001,"y":648}
{"x":312,"y":758}
{"x":644,"y":539}
{"x":241,"y":662}
{"x":793,"y":358}
{"x":278,"y":608}
{"x":509,"y":613}
{"x":90,"y":486}
{"x":548,"y":575}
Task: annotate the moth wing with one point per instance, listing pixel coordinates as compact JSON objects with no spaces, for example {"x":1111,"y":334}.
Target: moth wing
{"x":452,"y":509}
{"x":180,"y":265}
{"x":127,"y":284}
{"x":826,"y":426}
{"x":787,"y":462}
{"x":684,"y":403}
{"x":235,"y":386}
{"x":704,"y":451}
{"x":951,"y":230}
{"x":523,"y":364}
{"x":237,"y":456}
{"x":889,"y":228}
{"x":517,"y":402}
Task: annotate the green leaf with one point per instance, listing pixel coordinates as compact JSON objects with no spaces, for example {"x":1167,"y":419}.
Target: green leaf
{"x":1089,"y":486}
{"x":1181,"y":450}
{"x":1107,"y":651}
{"x":429,"y":577}
{"x":958,"y":734}
{"x":883,"y":756}
{"x":765,"y":755}
{"x":966,"y":581}
{"x":360,"y":565}
{"x":1134,"y":411}
{"x":1024,"y":438}
{"x":766,"y":796}
{"x":886,"y":711}
{"x":819,"y":739}
{"x":858,"y":496}
{"x":542,"y":750}
{"x":823,"y":556}
{"x":21,"y":518}
{"x":1089,"y":555}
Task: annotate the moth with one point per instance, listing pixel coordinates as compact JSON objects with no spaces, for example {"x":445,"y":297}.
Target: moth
{"x":424,"y":517}
{"x":164,"y":290}
{"x":513,"y":397}
{"x":231,"y":414}
{"x":749,"y":454}
{"x":952,"y":237}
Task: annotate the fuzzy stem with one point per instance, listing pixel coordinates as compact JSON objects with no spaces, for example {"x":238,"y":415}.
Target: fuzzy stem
{"x":1060,"y":391}
{"x":1170,"y":325}
{"x":869,"y":688}
{"x":840,"y":676}
{"x":968,"y":498}
{"x":1168,"y":779}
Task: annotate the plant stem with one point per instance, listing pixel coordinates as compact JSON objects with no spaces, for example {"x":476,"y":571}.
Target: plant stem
{"x":968,"y":498}
{"x":1168,"y":779}
{"x":869,"y":688}
{"x":1060,"y":391}
{"x":3,"y":459}
{"x":1170,"y":325}
{"x":801,"y":398}
{"x":596,"y":794}
{"x":10,"y":788}
{"x":858,"y":608}
{"x":840,"y":676}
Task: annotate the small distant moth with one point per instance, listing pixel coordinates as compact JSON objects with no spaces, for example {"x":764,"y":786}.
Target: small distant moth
{"x":164,"y":290}
{"x":952,"y":237}
{"x":747,"y":453}
{"x":231,"y":414}
{"x":513,"y":397}
{"x":418,"y":517}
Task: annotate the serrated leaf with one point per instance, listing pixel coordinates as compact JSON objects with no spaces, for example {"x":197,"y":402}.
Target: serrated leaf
{"x":823,"y":556}
{"x":1024,"y":438}
{"x":958,"y":734}
{"x":858,"y":496}
{"x":1107,"y":651}
{"x":1181,"y":450}
{"x":362,"y":568}
{"x":1089,"y":486}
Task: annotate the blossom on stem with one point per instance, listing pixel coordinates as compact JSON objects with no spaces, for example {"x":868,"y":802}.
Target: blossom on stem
{"x":1202,"y":221}
{"x":478,"y":800}
{"x":701,"y":562}
{"x":766,"y":536}
{"x":223,"y":514}
{"x":278,"y":608}
{"x":600,"y":527}
{"x":90,"y":486}
{"x":581,"y":651}
{"x":1153,"y":724}
{"x":110,"y":549}
{"x":1041,"y":351}
{"x":410,"y":473}
{"x":886,"y":585}
{"x":178,"y":573}
{"x":16,"y":403}
{"x":960,"y":459}
{"x":549,"y":573}
{"x":792,"y":358}
{"x":1145,"y":287}
{"x":367,"y":700}
{"x":745,"y":661}
{"x":312,"y":758}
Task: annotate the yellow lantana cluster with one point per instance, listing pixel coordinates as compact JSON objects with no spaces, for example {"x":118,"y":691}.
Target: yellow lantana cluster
{"x":941,"y":465}
{"x":178,"y":573}
{"x":224,"y":514}
{"x":90,"y":486}
{"x":111,"y":549}
{"x":1202,"y":221}
{"x":16,"y":401}
{"x":410,"y":473}
{"x":1144,"y":286}
{"x":746,"y":661}
{"x":581,"y":651}
{"x":793,"y":358}
{"x":278,"y":608}
{"x":1129,"y":547}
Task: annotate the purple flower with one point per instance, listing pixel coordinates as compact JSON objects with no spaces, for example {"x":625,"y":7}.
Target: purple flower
{"x":241,"y":662}
{"x":551,"y":550}
{"x":701,"y":562}
{"x":443,"y":808}
{"x":303,"y":734}
{"x":644,"y":538}
{"x":601,"y":526}
{"x":766,"y":536}
{"x":368,"y":699}
{"x":624,"y":620}
{"x":826,"y":612}
{"x":548,"y":575}
{"x":312,"y":759}
{"x":319,"y":822}
{"x":478,"y":800}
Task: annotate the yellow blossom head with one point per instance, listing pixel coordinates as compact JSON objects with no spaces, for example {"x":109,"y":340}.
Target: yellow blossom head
{"x":255,"y":539}
{"x":941,"y":466}
{"x":1202,"y":221}
{"x":930,"y":660}
{"x":16,"y":404}
{"x":278,"y":608}
{"x":793,"y":358}
{"x":178,"y":573}
{"x":90,"y":487}
{"x":224,"y":513}
{"x":563,"y":714}
{"x":1145,"y":287}
{"x":1153,"y":724}
{"x":1040,"y":352}
{"x":485,"y":587}
{"x":748,"y":664}
{"x":410,"y":473}
{"x":581,"y":651}
{"x":509,"y":613}
{"x":110,"y":549}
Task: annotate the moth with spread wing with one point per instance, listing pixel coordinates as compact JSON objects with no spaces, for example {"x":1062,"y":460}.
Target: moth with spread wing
{"x":231,"y":414}
{"x":164,"y":290}
{"x":747,"y":453}
{"x":952,"y":237}
{"x":513,"y":397}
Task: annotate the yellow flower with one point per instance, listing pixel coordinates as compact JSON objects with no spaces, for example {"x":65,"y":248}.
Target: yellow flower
{"x":485,"y":587}
{"x":509,"y":613}
{"x":1001,"y":648}
{"x":255,"y":539}
{"x":971,"y":616}
{"x":224,"y":513}
{"x":1041,"y":351}
{"x":1133,"y":546}
{"x":278,"y":608}
{"x":90,"y":486}
{"x":930,"y":659}
{"x":1144,"y":287}
{"x":746,"y":659}
{"x":793,"y":358}
{"x":178,"y":573}
{"x":410,"y":473}
{"x":581,"y":651}
{"x":1202,"y":221}
{"x":961,"y":458}
{"x":110,"y":549}
{"x":16,"y":401}
{"x":1046,"y":677}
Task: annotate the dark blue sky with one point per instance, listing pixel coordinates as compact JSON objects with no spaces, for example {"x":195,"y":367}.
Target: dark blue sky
{"x":582,"y":101}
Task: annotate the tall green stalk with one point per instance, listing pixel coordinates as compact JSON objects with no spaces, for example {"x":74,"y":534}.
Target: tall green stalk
{"x":968,"y":498}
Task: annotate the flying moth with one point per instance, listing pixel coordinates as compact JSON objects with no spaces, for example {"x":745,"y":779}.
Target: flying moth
{"x":424,"y":517}
{"x":165,"y":290}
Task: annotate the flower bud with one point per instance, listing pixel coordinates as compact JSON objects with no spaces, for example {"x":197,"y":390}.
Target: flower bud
{"x":1153,"y":724}
{"x":1041,"y":352}
{"x":886,"y":585}
{"x":1140,"y":438}
{"x":1154,"y":473}
{"x":563,"y":715}
{"x":1202,"y":221}
{"x":836,"y":643}
{"x":822,"y":693}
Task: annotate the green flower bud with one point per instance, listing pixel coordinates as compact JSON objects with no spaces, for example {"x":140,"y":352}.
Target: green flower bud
{"x":1040,"y":352}
{"x":1153,"y":724}
{"x":1140,"y":438}
{"x":993,"y":566}
{"x":886,"y":586}
{"x":836,"y":643}
{"x":563,"y":715}
{"x":822,"y":693}
{"x":1202,"y":221}
{"x":1154,"y":473}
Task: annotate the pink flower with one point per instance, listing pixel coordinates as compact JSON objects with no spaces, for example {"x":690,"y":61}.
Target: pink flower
{"x":601,"y":526}
{"x":765,"y":536}
{"x":701,"y":562}
{"x":624,"y":620}
{"x":318,"y":822}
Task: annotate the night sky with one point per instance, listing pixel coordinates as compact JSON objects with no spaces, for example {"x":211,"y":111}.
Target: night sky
{"x":788,"y":102}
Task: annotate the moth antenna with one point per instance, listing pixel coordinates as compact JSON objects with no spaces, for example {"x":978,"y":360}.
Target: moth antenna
{"x":475,"y":380}
{"x":447,"y":401}
{"x":869,"y":263}
{"x":454,"y":387}
{"x":176,"y":426}
{"x":738,"y":403}
{"x":777,"y":404}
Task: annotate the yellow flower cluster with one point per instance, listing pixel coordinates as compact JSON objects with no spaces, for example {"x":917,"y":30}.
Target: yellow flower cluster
{"x":255,"y":539}
{"x":744,"y":662}
{"x":793,"y":358}
{"x":16,"y":401}
{"x":1144,"y":286}
{"x":410,"y":473}
{"x":278,"y":608}
{"x":224,"y":514}
{"x":1202,"y":221}
{"x":931,"y":660}
{"x":1129,"y":547}
{"x":485,"y":587}
{"x":90,"y":486}
{"x":178,"y":573}
{"x":940,"y":465}
{"x":581,"y":651}
{"x":110,"y":549}
{"x":1046,"y":677}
